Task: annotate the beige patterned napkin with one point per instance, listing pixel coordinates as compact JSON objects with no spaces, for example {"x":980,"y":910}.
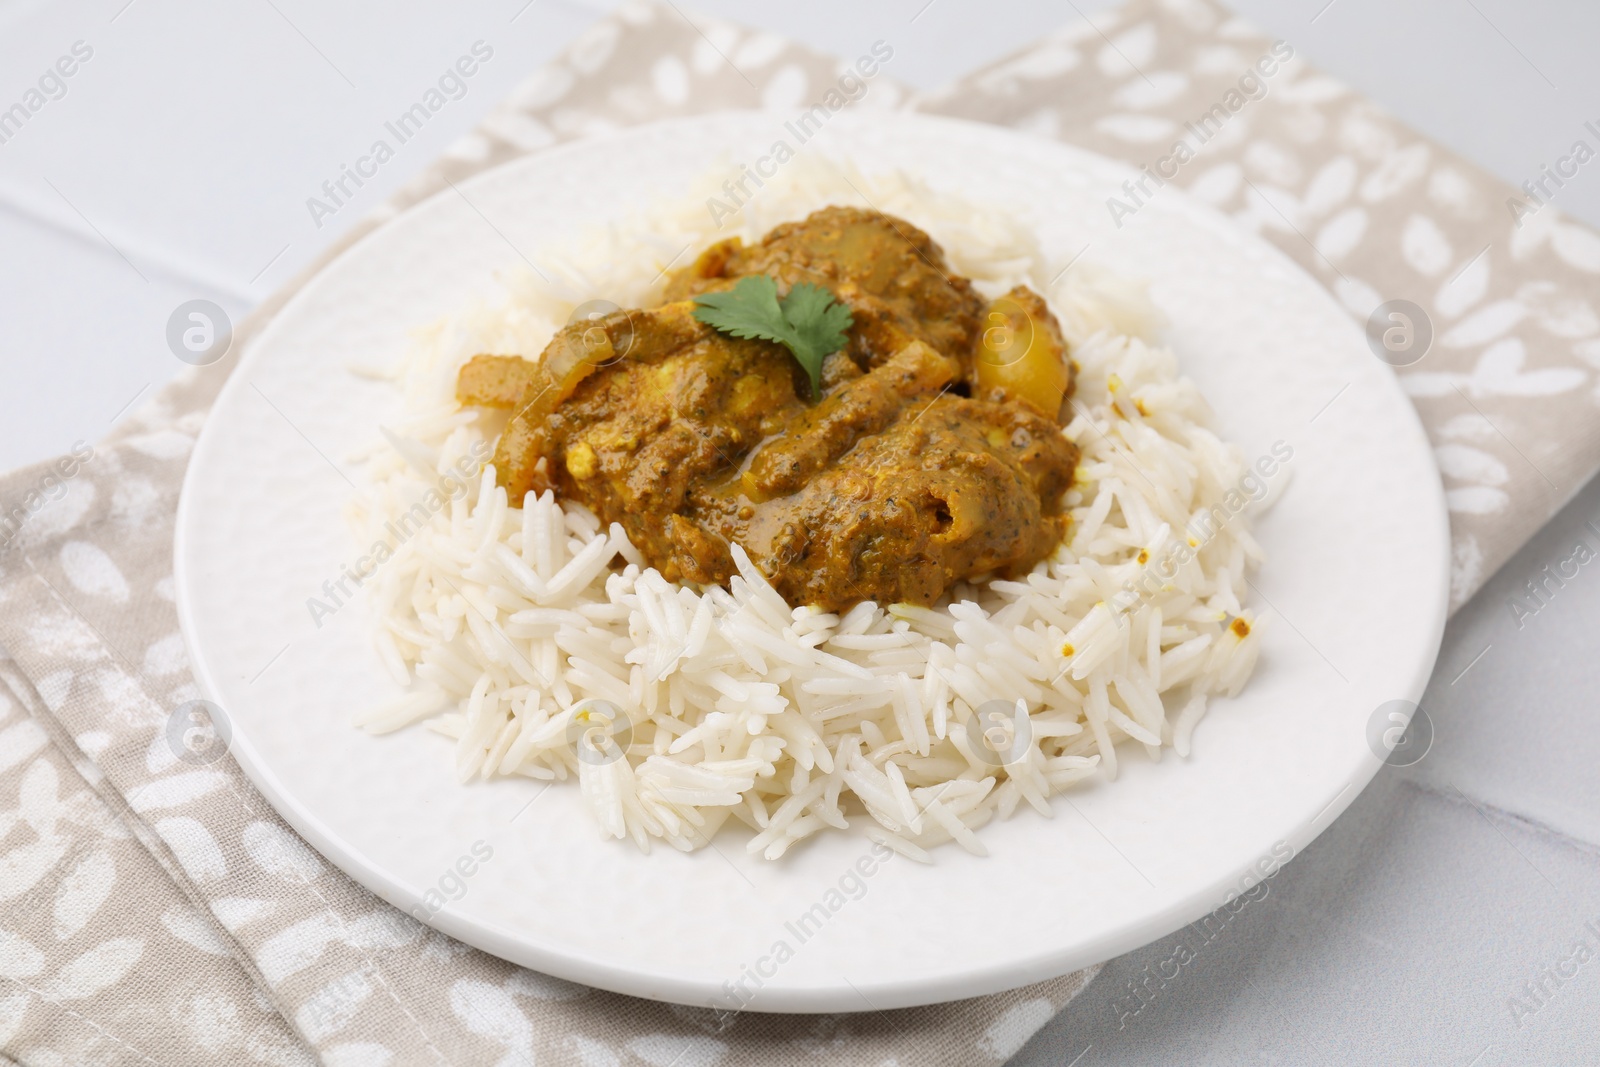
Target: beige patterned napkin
{"x":1504,"y":340}
{"x":153,"y":909}
{"x":157,"y":910}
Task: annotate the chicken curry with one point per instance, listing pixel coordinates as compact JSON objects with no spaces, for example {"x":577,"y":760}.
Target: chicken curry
{"x":932,"y":451}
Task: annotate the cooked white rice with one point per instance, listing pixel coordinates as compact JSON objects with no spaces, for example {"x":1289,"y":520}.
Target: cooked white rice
{"x":512,"y":628}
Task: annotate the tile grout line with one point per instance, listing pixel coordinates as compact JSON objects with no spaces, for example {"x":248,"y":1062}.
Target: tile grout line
{"x":165,"y":266}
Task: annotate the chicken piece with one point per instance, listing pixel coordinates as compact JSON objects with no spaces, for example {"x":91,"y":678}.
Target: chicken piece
{"x":865,"y":405}
{"x":951,"y":489}
{"x":576,"y":352}
{"x":495,"y":381}
{"x":893,"y":277}
{"x":891,"y":487}
{"x":636,"y":434}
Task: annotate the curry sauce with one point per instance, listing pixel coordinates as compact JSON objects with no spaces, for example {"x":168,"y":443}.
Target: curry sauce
{"x":934,"y":453}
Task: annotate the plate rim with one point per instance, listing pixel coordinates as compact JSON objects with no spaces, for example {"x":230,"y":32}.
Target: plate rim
{"x":492,"y":937}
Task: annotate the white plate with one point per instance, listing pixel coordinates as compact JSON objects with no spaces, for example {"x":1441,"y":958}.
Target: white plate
{"x":1357,"y":556}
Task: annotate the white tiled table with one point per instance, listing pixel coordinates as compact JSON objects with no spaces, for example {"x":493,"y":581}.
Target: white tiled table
{"x":177,"y":166}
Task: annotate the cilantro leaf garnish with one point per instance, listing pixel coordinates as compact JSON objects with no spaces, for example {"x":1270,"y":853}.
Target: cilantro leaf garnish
{"x":749,"y":309}
{"x":820,"y":321}
{"x":809,"y":322}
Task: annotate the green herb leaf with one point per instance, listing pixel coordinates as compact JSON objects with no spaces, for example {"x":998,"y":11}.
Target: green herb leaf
{"x":809,"y":322}
{"x":749,"y":309}
{"x":820,"y":323}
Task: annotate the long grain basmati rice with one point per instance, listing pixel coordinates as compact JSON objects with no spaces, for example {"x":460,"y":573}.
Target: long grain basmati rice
{"x":509,"y":624}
